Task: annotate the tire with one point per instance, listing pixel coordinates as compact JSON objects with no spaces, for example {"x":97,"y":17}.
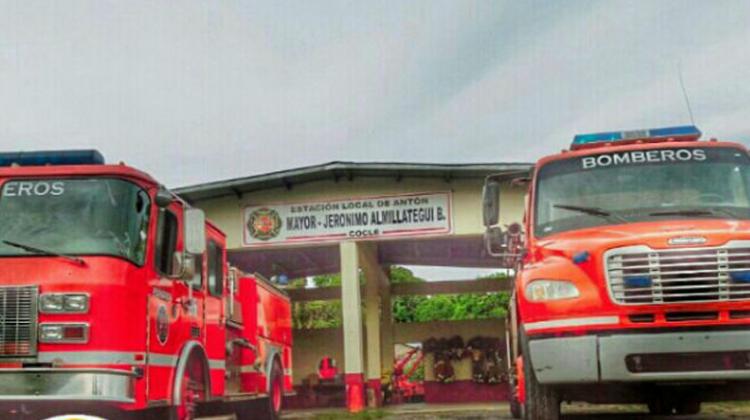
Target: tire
{"x":515,"y":406}
{"x":276,"y":391}
{"x":660,"y":408}
{"x":516,"y":410}
{"x":542,"y":401}
{"x":688,"y":407}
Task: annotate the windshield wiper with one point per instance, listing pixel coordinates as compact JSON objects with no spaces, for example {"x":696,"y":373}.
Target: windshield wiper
{"x":694,"y":212}
{"x":41,"y":251}
{"x":593,"y":211}
{"x":709,"y":211}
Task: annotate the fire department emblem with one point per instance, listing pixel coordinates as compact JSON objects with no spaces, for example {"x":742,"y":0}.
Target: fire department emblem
{"x":264,"y":224}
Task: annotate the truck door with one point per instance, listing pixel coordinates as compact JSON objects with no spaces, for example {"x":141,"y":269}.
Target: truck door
{"x":215,"y":316}
{"x":175,"y":306}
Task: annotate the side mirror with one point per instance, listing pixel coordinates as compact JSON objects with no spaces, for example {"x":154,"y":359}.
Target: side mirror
{"x":495,"y":240}
{"x":194,"y":235}
{"x":163,"y":198}
{"x":183,"y":267}
{"x":491,"y":203}
{"x":508,"y":244}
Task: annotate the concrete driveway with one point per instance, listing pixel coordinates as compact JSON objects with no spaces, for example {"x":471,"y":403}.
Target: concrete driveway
{"x":500,"y":411}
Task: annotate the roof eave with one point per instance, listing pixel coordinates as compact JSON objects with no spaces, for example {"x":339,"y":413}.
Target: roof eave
{"x":295,"y":176}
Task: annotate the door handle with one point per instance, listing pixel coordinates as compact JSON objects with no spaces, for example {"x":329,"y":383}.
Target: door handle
{"x":187,"y":304}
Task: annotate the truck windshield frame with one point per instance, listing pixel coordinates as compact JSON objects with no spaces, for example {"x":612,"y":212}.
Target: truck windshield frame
{"x":640,"y":185}
{"x":87,"y":216}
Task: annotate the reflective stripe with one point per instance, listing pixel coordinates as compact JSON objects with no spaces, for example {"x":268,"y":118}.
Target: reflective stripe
{"x":163,"y":360}
{"x":287,"y":371}
{"x":168,"y":360}
{"x":90,"y":357}
{"x":571,"y":322}
{"x":216,"y":364}
{"x":115,"y":358}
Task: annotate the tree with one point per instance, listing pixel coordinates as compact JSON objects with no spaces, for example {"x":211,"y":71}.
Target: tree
{"x":446,"y":307}
{"x":405,"y":309}
{"x":317,"y":314}
{"x":398,"y":274}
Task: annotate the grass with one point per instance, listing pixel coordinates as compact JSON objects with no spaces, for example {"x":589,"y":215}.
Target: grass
{"x":362,"y":415}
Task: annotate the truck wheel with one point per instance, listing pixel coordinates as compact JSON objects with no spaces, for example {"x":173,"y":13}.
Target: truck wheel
{"x":542,"y":401}
{"x":659,"y":408}
{"x":276,"y":391}
{"x":516,"y":410}
{"x":688,"y":407}
{"x":193,"y":390}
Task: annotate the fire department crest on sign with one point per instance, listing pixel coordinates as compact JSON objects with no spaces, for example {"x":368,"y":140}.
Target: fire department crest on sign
{"x":264,"y":224}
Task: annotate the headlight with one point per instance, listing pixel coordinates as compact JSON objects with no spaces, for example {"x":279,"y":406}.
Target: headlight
{"x":50,"y":333}
{"x":76,"y":303}
{"x":63,"y":333}
{"x":543,"y":290}
{"x":72,"y":303}
{"x":51,"y":303}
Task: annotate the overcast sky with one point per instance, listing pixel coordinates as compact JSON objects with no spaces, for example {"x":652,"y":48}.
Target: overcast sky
{"x":201,"y":91}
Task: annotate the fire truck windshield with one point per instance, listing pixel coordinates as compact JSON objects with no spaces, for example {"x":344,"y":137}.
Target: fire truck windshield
{"x":642,"y":185}
{"x":96,"y":216}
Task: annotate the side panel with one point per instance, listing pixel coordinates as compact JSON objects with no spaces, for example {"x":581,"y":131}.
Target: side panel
{"x":163,"y":337}
{"x":172,"y":323}
{"x":250,"y":359}
{"x":266,"y":327}
{"x":275,"y":315}
{"x":275,"y":330}
{"x":215,"y":325}
{"x":286,"y":361}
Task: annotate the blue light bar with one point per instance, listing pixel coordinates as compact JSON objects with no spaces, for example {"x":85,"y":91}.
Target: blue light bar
{"x":685,"y":132}
{"x":52,"y":157}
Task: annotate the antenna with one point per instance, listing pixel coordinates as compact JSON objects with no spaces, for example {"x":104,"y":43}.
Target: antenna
{"x":684,"y":93}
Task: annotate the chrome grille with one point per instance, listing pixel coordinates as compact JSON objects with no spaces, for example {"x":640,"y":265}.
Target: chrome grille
{"x":641,"y":275}
{"x":18,"y":321}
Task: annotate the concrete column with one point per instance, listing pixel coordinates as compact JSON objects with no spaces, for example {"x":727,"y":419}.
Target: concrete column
{"x":372,"y":272}
{"x":351,"y":306}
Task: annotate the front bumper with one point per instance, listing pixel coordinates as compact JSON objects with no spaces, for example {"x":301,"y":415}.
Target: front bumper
{"x":620,"y":357}
{"x":54,"y":384}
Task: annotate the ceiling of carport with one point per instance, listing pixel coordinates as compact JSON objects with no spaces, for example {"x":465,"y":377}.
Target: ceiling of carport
{"x":465,"y":251}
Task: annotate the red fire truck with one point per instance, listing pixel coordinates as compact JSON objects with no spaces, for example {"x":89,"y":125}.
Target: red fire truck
{"x":633,"y":274}
{"x":116,"y":299}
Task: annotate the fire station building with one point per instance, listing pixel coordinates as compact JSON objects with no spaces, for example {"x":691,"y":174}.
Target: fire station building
{"x":357,"y":219}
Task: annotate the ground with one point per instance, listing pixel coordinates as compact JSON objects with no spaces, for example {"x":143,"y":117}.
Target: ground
{"x":500,"y":411}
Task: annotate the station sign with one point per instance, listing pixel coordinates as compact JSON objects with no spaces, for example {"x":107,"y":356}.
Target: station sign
{"x":375,"y":217}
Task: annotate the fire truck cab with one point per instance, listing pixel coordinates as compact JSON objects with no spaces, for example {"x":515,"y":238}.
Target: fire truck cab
{"x":632,"y":274}
{"x":116,"y":299}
